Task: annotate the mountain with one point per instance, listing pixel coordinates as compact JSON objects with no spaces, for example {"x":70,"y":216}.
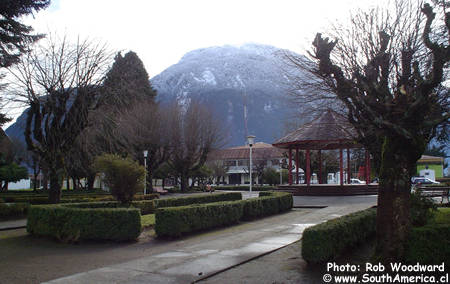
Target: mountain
{"x":243,"y":85}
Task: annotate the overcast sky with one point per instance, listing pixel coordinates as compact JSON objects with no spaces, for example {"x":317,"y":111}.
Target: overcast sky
{"x":162,"y":31}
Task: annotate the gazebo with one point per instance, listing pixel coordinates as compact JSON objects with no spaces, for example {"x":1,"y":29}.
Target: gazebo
{"x":329,"y":131}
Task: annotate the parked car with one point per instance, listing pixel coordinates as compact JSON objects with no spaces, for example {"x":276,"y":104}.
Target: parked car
{"x":356,"y":181}
{"x":423,"y":180}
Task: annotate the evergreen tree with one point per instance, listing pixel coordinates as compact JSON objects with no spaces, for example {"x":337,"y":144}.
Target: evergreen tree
{"x":127,"y":82}
{"x":16,"y":37}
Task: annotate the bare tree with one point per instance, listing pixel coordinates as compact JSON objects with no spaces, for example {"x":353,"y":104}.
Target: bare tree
{"x":386,"y":67}
{"x":145,"y":127}
{"x":219,"y":169}
{"x":194,"y":132}
{"x":60,"y":82}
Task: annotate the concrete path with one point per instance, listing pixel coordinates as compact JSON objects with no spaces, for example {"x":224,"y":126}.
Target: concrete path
{"x":193,"y":258}
{"x":13,"y":224}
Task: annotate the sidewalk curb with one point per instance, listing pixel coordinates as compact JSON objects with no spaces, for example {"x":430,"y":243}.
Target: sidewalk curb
{"x":13,"y":228}
{"x":243,"y":262}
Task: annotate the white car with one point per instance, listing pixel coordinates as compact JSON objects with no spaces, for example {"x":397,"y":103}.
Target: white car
{"x":356,"y":181}
{"x":424,"y":180}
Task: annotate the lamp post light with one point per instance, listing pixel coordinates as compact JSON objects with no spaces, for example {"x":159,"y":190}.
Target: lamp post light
{"x":145,"y":166}
{"x":251,"y":141}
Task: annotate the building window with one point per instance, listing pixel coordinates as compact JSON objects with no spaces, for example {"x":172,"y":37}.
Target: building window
{"x":230,"y":163}
{"x":242,"y":162}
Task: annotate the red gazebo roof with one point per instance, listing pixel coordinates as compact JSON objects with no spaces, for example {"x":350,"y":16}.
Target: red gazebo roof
{"x":327,"y":132}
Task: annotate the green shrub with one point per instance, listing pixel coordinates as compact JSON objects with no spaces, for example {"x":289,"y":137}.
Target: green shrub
{"x":13,"y":210}
{"x":422,"y":208}
{"x":69,"y":223}
{"x":326,"y":241}
{"x":123,"y":176}
{"x":429,"y":244}
{"x":174,"y":221}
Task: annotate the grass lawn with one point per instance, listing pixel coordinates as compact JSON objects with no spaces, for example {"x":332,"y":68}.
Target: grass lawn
{"x":147,"y":221}
{"x":442,"y":216}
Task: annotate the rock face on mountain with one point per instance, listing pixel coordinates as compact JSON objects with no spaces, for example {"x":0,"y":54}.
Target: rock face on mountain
{"x":244,"y":86}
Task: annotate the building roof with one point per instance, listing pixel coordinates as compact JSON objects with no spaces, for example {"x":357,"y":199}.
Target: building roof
{"x":260,"y":151}
{"x":328,"y":131}
{"x":430,"y":159}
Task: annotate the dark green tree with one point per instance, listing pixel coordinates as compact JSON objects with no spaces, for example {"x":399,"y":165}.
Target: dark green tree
{"x":127,"y":82}
{"x":11,"y":172}
{"x":15,"y":37}
{"x":387,"y":68}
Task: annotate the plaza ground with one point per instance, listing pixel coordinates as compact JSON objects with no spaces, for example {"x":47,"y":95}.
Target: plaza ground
{"x":27,"y":259}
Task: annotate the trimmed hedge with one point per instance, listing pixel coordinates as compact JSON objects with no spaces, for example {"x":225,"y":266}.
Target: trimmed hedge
{"x":196,"y":199}
{"x":36,"y":200}
{"x":71,"y":198}
{"x":326,"y":241}
{"x":175,"y":221}
{"x":69,"y":223}
{"x":268,"y":203}
{"x":13,"y":210}
{"x":145,"y":206}
{"x":244,"y":187}
{"x":429,"y":244}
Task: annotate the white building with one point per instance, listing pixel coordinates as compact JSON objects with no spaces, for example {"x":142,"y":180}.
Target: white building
{"x":235,"y":162}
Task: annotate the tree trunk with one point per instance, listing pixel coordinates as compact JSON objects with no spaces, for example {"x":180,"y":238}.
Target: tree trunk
{"x":54,"y":194}
{"x":45,"y":180}
{"x":149,"y":182}
{"x":75,"y":184}
{"x":35,"y":178}
{"x":393,"y":213}
{"x":90,"y":181}
{"x":184,"y":182}
{"x":68,"y":183}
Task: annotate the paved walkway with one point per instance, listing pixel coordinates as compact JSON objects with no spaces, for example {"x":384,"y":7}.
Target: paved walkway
{"x":13,"y":224}
{"x":193,"y":258}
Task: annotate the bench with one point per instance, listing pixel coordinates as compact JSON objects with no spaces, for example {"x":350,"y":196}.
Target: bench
{"x":436,"y":191}
{"x":160,"y":190}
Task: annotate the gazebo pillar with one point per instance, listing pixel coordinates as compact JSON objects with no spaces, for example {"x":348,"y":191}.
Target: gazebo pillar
{"x":341,"y":167}
{"x":348,"y":167}
{"x":320,"y":167}
{"x":296,"y":166}
{"x":290,"y":166}
{"x":308,"y":168}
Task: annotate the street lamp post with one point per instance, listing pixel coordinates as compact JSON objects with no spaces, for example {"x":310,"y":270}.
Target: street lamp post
{"x":145,"y":166}
{"x":251,"y":141}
